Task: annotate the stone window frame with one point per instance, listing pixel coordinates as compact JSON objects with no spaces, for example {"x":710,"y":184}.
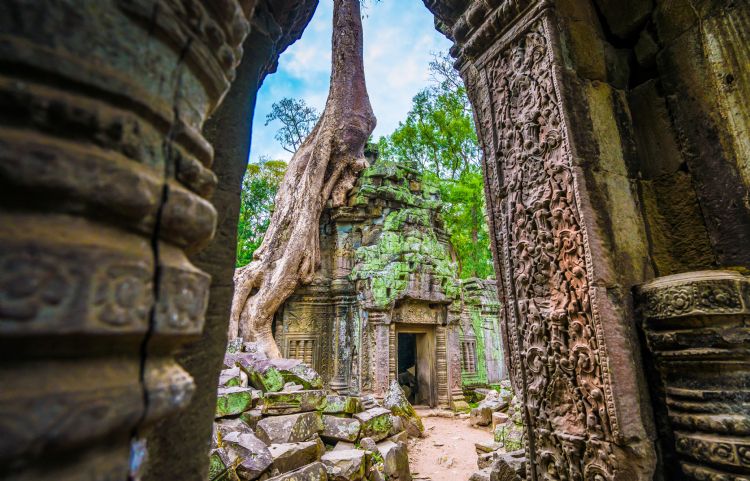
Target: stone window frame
{"x":469,"y":356}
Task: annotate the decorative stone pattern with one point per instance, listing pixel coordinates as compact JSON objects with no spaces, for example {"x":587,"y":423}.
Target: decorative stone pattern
{"x":696,"y":327}
{"x":386,"y":268}
{"x":104,"y":181}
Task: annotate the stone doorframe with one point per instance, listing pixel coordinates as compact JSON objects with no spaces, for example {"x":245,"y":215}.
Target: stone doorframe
{"x":428,"y":343}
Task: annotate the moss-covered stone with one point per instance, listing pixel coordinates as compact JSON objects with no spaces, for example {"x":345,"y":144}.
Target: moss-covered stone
{"x":232,"y":401}
{"x":376,"y":423}
{"x":275,"y":403}
{"x":342,"y":405}
{"x":261,"y":374}
{"x":395,"y":400}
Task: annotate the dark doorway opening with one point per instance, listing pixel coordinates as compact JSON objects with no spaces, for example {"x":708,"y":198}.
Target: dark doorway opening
{"x":407,"y":365}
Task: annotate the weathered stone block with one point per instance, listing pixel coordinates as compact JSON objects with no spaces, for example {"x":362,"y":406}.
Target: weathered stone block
{"x":340,"y":429}
{"x":290,"y":456}
{"x":275,"y":403}
{"x":252,"y":417}
{"x":293,"y":370}
{"x":510,"y":466}
{"x":311,"y":472}
{"x":487,"y":446}
{"x":395,"y":400}
{"x":401,"y":437}
{"x":499,"y":418}
{"x":247,"y":453}
{"x":395,"y":460}
{"x":342,"y":405}
{"x":232,"y":401}
{"x":222,"y":427}
{"x":219,"y":471}
{"x":509,"y":435}
{"x":344,"y":445}
{"x":232,"y":378}
{"x":290,"y":428}
{"x":376,"y":423}
{"x":261,"y":373}
{"x":345,"y":465}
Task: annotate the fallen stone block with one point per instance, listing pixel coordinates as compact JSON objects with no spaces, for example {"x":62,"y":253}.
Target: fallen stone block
{"x":232,"y":401}
{"x":290,"y":428}
{"x":340,"y":429}
{"x":368,"y":444}
{"x":345,"y":465}
{"x":376,"y":423}
{"x":297,"y":372}
{"x":401,"y":437}
{"x":290,"y":456}
{"x":252,"y":417}
{"x":499,"y":418}
{"x":311,"y":472}
{"x":277,"y":403}
{"x":481,"y":475}
{"x":343,"y":445}
{"x":217,"y":470}
{"x":509,"y":466}
{"x":246,"y":453}
{"x":395,"y":460}
{"x":480,"y":416}
{"x":342,"y":405}
{"x":233,"y":377}
{"x":222,"y":427}
{"x":395,"y":400}
{"x":261,"y":373}
{"x":509,"y":435}
{"x":487,"y":446}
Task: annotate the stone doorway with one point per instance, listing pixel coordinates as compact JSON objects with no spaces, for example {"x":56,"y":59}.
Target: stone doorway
{"x":415,"y":361}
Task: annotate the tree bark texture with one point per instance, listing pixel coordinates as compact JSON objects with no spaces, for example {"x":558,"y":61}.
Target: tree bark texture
{"x":324,"y":168}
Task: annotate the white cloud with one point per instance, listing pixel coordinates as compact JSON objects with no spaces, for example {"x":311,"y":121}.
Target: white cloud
{"x":399,"y":38}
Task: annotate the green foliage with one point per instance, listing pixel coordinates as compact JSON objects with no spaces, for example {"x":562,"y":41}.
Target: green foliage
{"x":438,"y":139}
{"x":259,"y":187}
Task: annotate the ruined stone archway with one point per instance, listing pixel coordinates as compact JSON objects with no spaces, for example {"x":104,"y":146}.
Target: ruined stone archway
{"x":635,"y":113}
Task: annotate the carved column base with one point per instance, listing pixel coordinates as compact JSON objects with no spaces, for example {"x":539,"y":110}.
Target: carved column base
{"x":697,"y":328}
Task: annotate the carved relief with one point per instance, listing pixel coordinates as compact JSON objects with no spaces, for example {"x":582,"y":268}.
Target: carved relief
{"x":561,"y":359}
{"x":696,"y":327}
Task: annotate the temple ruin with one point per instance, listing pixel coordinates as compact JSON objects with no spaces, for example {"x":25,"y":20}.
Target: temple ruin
{"x":386,"y":303}
{"x":615,"y":158}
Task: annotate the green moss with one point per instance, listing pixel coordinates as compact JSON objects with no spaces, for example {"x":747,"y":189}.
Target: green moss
{"x":233,"y":403}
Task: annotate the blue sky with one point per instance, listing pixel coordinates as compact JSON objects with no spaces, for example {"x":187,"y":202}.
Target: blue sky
{"x":399,"y":36}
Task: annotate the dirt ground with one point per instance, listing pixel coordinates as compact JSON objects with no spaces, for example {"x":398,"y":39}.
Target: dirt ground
{"x":447,"y":453}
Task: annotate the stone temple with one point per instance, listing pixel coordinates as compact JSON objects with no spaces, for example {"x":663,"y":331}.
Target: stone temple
{"x":386,"y":303}
{"x":615,"y":157}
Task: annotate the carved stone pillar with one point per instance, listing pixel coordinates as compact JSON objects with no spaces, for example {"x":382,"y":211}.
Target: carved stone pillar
{"x":104,"y":178}
{"x":534,"y":72}
{"x":697,"y":328}
{"x":454,"y":394}
{"x":380,"y":352}
{"x":343,"y":304}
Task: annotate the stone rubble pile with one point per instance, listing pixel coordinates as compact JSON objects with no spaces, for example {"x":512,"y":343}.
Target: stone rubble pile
{"x":276,"y":422}
{"x":502,"y":459}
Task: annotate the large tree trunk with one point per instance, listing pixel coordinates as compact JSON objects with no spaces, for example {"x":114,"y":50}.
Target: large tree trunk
{"x":325,"y":167}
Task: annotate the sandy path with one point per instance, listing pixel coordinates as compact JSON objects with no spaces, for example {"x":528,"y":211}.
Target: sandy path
{"x":447,"y":453}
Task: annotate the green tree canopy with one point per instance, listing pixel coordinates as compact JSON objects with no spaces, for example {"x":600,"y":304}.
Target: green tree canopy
{"x":259,"y":187}
{"x":438,"y":137}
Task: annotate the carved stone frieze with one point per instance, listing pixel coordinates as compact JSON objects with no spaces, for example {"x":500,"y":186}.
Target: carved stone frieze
{"x":559,"y":357}
{"x":697,"y":330}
